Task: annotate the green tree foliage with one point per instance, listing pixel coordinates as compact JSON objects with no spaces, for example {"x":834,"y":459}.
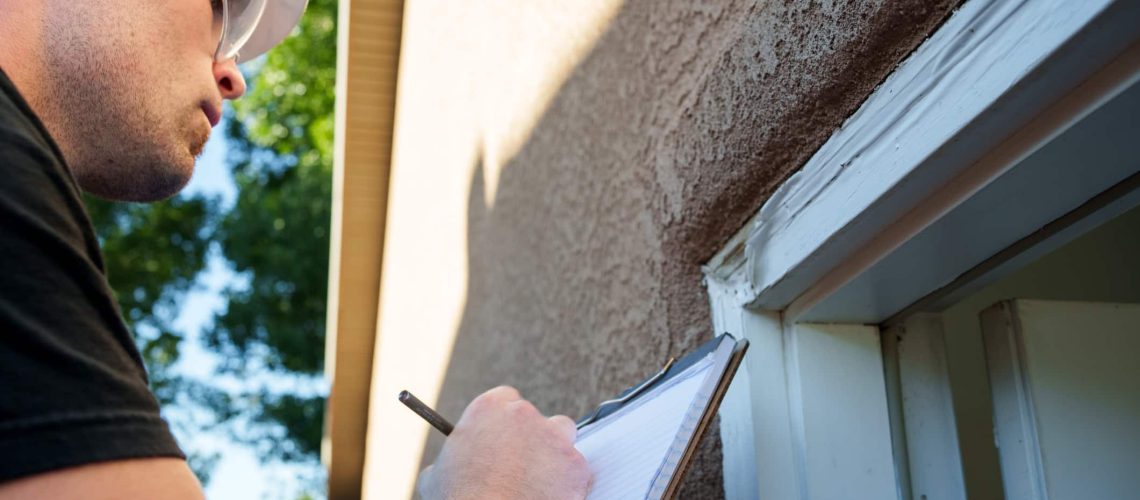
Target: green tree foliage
{"x":275,"y":237}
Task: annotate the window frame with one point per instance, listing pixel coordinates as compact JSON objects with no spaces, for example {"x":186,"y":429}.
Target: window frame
{"x":997,"y":82}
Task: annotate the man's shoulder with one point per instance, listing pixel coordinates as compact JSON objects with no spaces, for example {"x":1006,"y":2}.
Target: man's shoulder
{"x":73,"y":383}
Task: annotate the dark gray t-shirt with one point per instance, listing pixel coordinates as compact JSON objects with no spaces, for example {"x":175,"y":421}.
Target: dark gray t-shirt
{"x":73,"y":389}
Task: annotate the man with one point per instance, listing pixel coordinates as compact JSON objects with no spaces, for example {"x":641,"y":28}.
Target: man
{"x":118,"y":97}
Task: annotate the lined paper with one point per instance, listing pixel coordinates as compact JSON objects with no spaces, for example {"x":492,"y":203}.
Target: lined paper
{"x":627,"y":448}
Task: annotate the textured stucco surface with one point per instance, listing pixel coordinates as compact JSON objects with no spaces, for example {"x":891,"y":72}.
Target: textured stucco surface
{"x":583,"y":258}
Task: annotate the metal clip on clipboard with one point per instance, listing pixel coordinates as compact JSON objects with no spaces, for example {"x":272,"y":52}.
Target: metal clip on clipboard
{"x":632,"y":393}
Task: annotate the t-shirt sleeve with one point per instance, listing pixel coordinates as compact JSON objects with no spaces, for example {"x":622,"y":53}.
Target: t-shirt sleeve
{"x":73,"y":389}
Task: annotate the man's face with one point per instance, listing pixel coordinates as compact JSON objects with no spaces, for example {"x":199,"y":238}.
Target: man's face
{"x":131,"y":91}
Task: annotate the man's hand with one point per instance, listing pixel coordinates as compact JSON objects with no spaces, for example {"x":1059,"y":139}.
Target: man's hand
{"x":504,"y":448}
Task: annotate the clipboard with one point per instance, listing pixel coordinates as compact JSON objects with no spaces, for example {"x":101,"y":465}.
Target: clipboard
{"x":725,"y":353}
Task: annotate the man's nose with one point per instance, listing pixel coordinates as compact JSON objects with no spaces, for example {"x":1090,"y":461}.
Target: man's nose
{"x":229,"y":79}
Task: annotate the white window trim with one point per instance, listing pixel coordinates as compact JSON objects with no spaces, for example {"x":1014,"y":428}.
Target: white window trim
{"x":915,"y":354}
{"x":996,"y":83}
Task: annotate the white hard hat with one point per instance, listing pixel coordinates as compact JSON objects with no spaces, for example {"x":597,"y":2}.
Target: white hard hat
{"x":252,"y":27}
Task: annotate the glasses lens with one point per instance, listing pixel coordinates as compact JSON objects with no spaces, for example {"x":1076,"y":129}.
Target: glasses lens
{"x":242,"y":17}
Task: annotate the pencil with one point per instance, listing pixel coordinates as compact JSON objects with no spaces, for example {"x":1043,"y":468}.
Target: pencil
{"x":436,"y":420}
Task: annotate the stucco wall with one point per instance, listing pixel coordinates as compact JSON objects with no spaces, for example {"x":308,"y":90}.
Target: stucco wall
{"x":561,"y":171}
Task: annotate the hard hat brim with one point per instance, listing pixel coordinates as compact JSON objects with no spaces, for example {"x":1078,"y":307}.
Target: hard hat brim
{"x":276,"y":23}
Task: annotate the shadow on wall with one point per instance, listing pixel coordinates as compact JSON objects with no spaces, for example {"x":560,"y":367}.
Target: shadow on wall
{"x":542,"y":313}
{"x":564,"y":295}
{"x":584,"y":272}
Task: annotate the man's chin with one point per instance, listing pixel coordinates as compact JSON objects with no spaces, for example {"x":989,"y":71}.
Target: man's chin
{"x":153,"y":184}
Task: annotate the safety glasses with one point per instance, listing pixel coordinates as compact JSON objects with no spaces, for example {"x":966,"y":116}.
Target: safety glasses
{"x":238,"y":20}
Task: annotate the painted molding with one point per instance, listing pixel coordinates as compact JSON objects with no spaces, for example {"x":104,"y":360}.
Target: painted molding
{"x":755,"y":415}
{"x":979,"y":79}
{"x":1066,"y":397}
{"x":807,"y":415}
{"x":737,"y":436}
{"x":925,"y":409}
{"x":840,"y":423}
{"x":1015,"y":426}
{"x":1073,"y":152}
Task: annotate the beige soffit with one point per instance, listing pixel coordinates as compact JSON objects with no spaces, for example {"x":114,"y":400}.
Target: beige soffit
{"x":368,"y":49}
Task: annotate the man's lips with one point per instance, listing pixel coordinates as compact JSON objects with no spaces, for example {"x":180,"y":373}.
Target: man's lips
{"x":213,"y":114}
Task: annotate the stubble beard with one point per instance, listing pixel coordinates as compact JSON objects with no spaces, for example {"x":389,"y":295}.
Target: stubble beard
{"x":120,"y":142}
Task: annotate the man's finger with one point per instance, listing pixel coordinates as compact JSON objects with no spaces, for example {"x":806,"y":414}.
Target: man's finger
{"x":566,"y":426}
{"x":503,"y":393}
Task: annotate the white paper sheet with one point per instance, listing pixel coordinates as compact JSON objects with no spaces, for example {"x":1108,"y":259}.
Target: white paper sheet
{"x":627,"y":448}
